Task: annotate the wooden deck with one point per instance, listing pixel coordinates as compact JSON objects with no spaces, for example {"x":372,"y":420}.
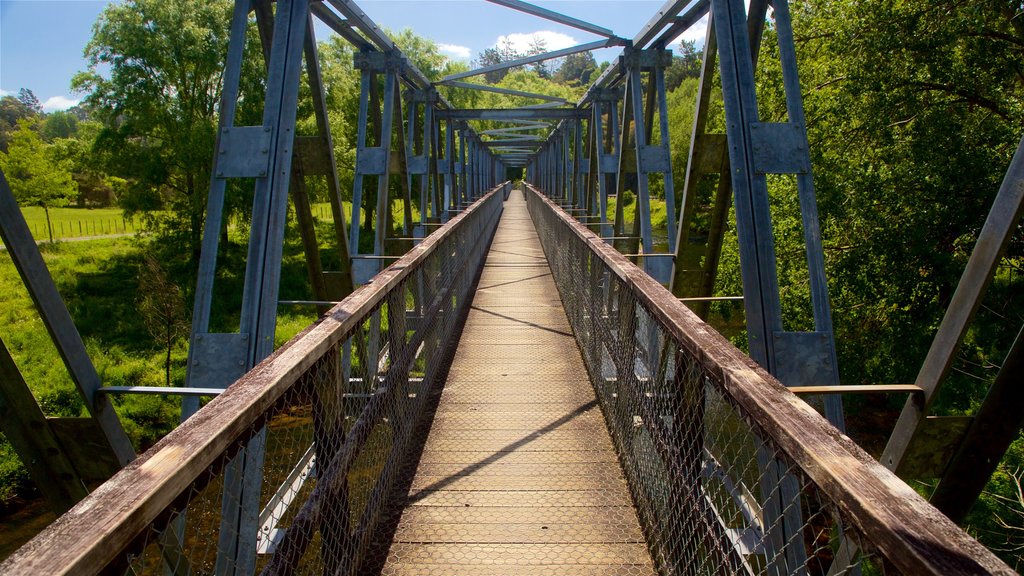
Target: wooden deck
{"x":518,"y":474}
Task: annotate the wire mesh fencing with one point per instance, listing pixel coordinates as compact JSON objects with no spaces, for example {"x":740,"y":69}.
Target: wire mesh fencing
{"x":292,"y":469}
{"x":729,"y":472}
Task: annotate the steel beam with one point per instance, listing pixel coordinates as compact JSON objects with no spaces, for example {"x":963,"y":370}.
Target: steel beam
{"x":664,"y":17}
{"x":995,"y":235}
{"x":682,"y":23}
{"x":505,"y":115}
{"x":554,"y":16}
{"x":994,"y":427}
{"x":57,"y":320}
{"x":497,"y":90}
{"x":597,"y":45}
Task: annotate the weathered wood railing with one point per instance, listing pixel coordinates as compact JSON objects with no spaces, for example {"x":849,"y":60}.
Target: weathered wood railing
{"x":340,"y":404}
{"x":731,"y":472}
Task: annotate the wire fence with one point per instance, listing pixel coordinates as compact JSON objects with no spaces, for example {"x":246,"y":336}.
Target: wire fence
{"x":79,"y":228}
{"x":729,"y":471}
{"x":299,"y":466}
{"x":302,"y":465}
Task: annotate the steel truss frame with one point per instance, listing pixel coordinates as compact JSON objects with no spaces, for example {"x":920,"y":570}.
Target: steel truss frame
{"x":412,"y":142}
{"x":399,"y":135}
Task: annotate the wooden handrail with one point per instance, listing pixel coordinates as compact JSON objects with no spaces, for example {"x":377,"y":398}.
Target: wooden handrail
{"x":907,"y":531}
{"x":86,"y":538}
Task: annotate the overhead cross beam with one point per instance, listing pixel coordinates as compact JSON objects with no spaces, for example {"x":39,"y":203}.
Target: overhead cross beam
{"x":554,"y":17}
{"x":597,"y":45}
{"x":507,"y":115}
{"x":507,"y":91}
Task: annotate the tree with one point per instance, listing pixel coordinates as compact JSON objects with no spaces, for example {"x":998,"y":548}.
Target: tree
{"x":87,"y":164}
{"x":36,"y":176}
{"x":685,"y":64}
{"x":60,"y":124}
{"x":914,"y":110}
{"x":158,"y":105}
{"x":577,"y":69}
{"x":28,"y":98}
{"x":11,"y":111}
{"x":162,"y":307}
{"x":539,"y":46}
{"x":499,"y":54}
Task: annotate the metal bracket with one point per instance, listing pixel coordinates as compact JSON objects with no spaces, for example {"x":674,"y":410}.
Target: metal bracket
{"x":779,"y":148}
{"x":935,"y":441}
{"x":218,"y":359}
{"x":371,"y":160}
{"x":710,"y":153}
{"x":802,"y":358}
{"x":654,"y":159}
{"x":378,"y":61}
{"x":244,"y":152}
{"x":416,"y":164}
{"x":364,"y":269}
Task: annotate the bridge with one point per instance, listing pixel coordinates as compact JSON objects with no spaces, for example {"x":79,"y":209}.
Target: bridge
{"x":523,"y":389}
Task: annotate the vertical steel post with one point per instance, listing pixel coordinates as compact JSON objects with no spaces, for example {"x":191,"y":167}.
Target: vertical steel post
{"x":243,"y":475}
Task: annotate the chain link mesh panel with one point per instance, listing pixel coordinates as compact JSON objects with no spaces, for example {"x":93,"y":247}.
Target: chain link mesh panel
{"x":334,"y":418}
{"x":714,"y":491}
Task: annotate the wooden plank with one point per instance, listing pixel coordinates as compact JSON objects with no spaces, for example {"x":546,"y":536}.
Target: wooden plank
{"x":582,"y":531}
{"x":522,"y":554}
{"x":403,"y":569}
{"x":518,"y":499}
{"x":518,"y":470}
{"x":607,"y":515}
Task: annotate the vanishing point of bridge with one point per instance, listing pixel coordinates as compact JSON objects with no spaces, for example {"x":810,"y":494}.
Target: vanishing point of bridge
{"x":518,"y":392}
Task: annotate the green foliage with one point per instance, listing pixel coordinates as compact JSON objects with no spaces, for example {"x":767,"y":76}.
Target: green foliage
{"x":60,"y":124}
{"x":14,"y":479}
{"x":914,"y":110}
{"x":506,"y":52}
{"x":36,"y":174}
{"x":12,"y":111}
{"x":685,"y":65}
{"x":578,"y":69}
{"x":158,"y":104}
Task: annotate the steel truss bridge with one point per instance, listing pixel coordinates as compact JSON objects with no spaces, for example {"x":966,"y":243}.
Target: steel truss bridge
{"x":522,"y":382}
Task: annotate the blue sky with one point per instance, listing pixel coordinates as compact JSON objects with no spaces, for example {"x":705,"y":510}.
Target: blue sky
{"x":41,"y":41}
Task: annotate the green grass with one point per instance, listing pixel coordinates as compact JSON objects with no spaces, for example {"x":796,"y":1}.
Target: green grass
{"x":99,"y":282}
{"x":79,"y":222}
{"x":659,"y":217}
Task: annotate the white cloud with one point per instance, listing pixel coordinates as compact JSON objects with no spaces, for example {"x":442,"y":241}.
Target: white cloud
{"x":552,"y":40}
{"x":454,"y":50}
{"x":4,"y":93}
{"x":696,"y":33}
{"x":55,"y":103}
